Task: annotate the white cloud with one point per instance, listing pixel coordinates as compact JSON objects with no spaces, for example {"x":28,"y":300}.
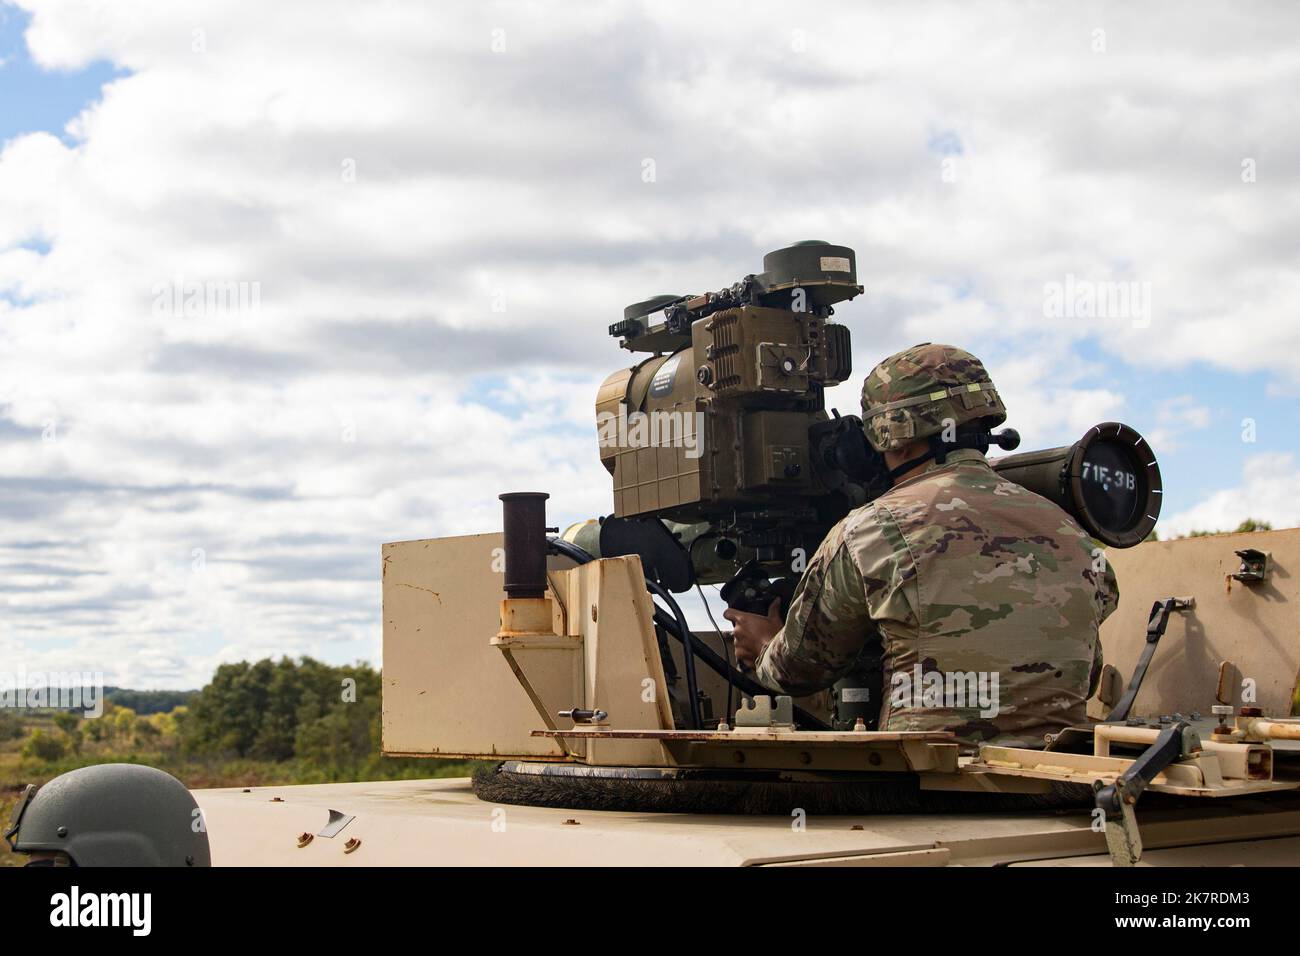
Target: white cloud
{"x":516,"y":176}
{"x":1175,"y":417}
{"x":1269,"y":491}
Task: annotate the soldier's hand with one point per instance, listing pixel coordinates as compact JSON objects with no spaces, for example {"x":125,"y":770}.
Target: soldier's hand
{"x":753,"y":632}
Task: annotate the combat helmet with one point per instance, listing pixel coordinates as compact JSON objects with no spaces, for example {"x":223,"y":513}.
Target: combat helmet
{"x":115,"y":814}
{"x":917,"y":392}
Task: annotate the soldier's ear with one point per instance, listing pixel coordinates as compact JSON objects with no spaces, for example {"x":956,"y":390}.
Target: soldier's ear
{"x":774,"y":611}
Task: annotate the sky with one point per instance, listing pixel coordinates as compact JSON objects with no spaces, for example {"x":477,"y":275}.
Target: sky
{"x":411,"y":225}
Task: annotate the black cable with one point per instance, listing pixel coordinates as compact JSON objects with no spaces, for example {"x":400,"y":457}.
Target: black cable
{"x":688,"y":650}
{"x":580,"y":555}
{"x":743,"y":683}
{"x":569,"y":550}
{"x":722,"y":642}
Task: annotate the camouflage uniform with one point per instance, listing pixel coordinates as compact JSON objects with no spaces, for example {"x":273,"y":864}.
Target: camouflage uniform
{"x":955,"y":571}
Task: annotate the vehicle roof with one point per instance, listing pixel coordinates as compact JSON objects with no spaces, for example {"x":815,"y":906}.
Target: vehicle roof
{"x":441,"y":822}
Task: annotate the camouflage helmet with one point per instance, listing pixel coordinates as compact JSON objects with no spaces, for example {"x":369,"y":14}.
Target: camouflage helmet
{"x":914,"y":393}
{"x":115,"y":814}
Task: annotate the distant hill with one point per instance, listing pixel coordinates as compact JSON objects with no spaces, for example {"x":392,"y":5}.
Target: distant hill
{"x":145,"y":702}
{"x":142,"y":702}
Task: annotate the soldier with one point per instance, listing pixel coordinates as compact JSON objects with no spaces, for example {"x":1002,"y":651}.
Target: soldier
{"x":980,"y":600}
{"x":114,"y":814}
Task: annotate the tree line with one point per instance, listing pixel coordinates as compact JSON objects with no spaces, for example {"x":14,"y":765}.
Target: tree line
{"x":321,"y":716}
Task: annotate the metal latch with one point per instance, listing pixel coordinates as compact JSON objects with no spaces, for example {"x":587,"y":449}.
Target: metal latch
{"x":1254,"y":566}
{"x":580,"y":716}
{"x":1118,"y":800}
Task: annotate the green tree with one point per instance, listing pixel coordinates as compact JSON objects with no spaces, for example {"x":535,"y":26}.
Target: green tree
{"x":148,"y":702}
{"x":123,"y":723}
{"x":46,"y":747}
{"x":342,"y":731}
{"x":278,"y":710}
{"x":226,"y":715}
{"x":99,"y":728}
{"x":1250,"y":524}
{"x":69,"y":723}
{"x":146,"y":734}
{"x":66,"y":721}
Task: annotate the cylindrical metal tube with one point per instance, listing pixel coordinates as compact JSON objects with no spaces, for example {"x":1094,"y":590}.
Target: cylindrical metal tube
{"x":524,"y":514}
{"x":1103,"y":735}
{"x":1271,"y":729}
{"x":1039,"y":471}
{"x":1108,"y":481}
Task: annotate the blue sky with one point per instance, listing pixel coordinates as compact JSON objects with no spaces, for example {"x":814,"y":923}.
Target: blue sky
{"x":32,"y":98}
{"x":1205,"y":459}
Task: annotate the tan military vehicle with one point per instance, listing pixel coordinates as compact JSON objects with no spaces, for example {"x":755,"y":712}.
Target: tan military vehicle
{"x":616,"y":735}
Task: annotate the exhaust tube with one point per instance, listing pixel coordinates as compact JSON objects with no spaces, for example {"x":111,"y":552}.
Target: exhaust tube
{"x":524,"y":523}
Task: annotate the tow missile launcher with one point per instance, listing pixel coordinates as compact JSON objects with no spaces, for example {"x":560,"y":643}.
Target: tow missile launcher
{"x":723,"y":432}
{"x":726,"y":466}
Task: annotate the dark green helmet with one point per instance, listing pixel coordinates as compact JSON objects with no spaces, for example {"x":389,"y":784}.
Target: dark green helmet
{"x":114,"y":814}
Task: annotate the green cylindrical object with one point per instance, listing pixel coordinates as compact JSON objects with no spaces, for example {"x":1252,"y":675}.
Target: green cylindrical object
{"x":1108,"y":481}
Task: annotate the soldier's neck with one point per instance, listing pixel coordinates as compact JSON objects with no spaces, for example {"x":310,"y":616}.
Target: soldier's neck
{"x":905,"y":454}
